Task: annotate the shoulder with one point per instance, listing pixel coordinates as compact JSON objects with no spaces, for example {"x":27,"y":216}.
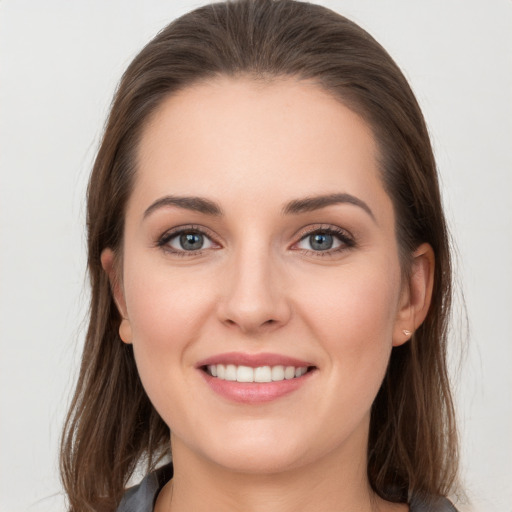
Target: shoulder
{"x":141,"y":497}
{"x":435,"y":504}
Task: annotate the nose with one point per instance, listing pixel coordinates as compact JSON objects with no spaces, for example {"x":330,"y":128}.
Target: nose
{"x":254,"y":298}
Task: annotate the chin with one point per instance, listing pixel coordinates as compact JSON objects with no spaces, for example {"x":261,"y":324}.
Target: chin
{"x":250,"y":450}
{"x":265,"y":461}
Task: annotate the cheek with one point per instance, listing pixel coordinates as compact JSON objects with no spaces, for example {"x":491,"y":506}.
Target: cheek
{"x":162,"y":305}
{"x":353,"y":316}
{"x":355,"y":304}
{"x":166,"y":313}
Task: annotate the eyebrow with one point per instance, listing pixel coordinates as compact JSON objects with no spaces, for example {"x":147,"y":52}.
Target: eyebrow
{"x":196,"y":204}
{"x":309,"y":204}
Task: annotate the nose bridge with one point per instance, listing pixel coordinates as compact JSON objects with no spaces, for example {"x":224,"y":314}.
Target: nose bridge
{"x":254,"y":297}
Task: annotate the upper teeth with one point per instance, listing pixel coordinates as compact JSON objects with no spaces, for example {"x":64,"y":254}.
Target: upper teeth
{"x":258,"y":374}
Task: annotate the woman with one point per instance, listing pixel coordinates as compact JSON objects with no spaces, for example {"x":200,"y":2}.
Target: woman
{"x":270,"y":277}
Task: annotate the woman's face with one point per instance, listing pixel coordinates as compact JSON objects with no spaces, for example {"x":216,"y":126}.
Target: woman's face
{"x":260,"y":244}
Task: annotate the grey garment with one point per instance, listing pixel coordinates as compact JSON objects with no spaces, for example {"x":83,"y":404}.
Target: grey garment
{"x":440,"y":504}
{"x":142,"y":497}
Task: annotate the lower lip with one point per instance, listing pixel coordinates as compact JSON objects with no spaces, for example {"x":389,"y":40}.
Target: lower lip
{"x":255,"y":392}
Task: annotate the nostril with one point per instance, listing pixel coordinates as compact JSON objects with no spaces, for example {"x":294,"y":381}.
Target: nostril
{"x":246,"y":325}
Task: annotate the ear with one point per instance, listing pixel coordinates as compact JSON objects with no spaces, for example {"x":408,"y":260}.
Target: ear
{"x":416,"y":295}
{"x":108,"y":262}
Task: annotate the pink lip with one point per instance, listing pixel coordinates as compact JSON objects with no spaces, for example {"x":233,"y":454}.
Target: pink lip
{"x":254,"y":392}
{"x":253,"y":360}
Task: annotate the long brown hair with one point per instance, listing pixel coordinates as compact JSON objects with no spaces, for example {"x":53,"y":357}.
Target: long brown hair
{"x":111,"y":425}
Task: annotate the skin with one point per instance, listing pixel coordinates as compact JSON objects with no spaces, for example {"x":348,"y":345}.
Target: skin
{"x":258,"y":286}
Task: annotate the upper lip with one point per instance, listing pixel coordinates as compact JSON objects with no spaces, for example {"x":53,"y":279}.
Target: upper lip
{"x":253,"y":360}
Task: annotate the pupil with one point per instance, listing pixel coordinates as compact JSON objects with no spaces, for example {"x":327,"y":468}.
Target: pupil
{"x":191,"y":241}
{"x":321,"y":242}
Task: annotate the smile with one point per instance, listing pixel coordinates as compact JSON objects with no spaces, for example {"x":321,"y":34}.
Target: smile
{"x":255,"y":378}
{"x":241,"y":373}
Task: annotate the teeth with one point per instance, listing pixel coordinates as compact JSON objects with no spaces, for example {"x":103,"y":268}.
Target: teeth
{"x":299,"y":372}
{"x":289,"y":372}
{"x":230,"y":372}
{"x":277,"y":373}
{"x":244,"y":374}
{"x":259,"y":374}
{"x":262,"y":374}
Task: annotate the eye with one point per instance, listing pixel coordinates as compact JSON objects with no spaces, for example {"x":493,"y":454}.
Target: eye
{"x":325,"y":240}
{"x":186,"y":240}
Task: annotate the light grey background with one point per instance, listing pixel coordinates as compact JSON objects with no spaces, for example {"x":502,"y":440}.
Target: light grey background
{"x":59,"y":63}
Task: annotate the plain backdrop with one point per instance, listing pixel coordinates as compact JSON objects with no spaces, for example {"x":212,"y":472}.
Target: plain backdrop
{"x":60,"y":61}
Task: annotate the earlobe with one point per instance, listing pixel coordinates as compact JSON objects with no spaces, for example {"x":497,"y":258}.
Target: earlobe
{"x":416,"y":296}
{"x":125,"y":331}
{"x":110,"y":267}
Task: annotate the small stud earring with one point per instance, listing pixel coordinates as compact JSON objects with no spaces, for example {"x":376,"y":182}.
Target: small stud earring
{"x":406,"y":332}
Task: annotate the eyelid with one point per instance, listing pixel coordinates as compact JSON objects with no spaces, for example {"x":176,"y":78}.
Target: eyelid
{"x":163,"y":240}
{"x":346,"y":238}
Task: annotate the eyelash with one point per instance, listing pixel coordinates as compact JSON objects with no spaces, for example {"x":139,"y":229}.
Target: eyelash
{"x":347,"y":241}
{"x":164,"y":240}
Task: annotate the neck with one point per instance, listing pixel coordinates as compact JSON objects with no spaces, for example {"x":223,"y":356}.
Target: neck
{"x":336,"y":482}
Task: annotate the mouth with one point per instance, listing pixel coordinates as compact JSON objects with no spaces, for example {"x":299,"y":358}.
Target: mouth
{"x":259,"y":374}
{"x":255,"y":378}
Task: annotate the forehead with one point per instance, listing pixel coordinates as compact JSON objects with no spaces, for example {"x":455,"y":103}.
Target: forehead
{"x":243,"y":136}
